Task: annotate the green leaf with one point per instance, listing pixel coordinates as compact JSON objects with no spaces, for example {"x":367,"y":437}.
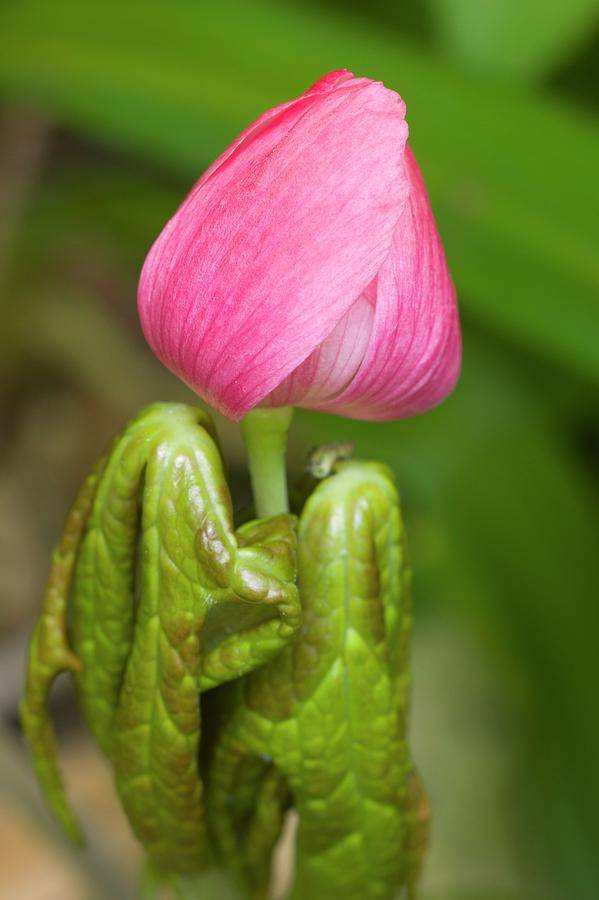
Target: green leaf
{"x":503,"y":530}
{"x":510,"y":172}
{"x":516,"y":38}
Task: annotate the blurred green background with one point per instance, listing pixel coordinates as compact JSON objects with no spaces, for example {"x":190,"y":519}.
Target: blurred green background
{"x":110,"y":111}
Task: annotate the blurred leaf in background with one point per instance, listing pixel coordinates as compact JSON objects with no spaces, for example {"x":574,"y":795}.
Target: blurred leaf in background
{"x":491,"y":153}
{"x":129,"y":103}
{"x":522,"y":39}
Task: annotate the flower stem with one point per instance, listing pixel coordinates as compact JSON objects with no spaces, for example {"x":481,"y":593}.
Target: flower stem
{"x":265,"y":436}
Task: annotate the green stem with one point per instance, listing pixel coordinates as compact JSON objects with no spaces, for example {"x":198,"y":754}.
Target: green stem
{"x":265,"y":436}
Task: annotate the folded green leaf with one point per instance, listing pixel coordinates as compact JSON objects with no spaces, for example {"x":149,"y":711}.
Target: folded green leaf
{"x":153,"y":559}
{"x":325,"y":721}
{"x":505,"y":533}
{"x":50,"y":654}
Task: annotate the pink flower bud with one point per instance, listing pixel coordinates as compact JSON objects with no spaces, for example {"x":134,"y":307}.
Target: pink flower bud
{"x":305,"y":266}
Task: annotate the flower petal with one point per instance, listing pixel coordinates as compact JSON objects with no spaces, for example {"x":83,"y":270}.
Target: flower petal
{"x":332,"y":366}
{"x":277,"y":241}
{"x":414,"y":353}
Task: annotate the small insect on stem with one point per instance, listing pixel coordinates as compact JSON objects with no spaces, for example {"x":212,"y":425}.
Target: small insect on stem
{"x":321,"y":460}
